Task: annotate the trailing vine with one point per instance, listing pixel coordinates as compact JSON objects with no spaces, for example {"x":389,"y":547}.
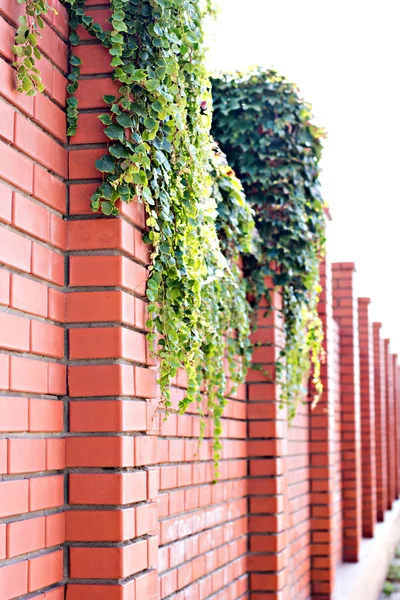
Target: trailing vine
{"x":266,"y":131}
{"x":160,"y":153}
{"x":26,"y":46}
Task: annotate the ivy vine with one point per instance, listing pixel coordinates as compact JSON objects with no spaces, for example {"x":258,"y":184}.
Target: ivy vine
{"x":266,"y":130}
{"x":160,"y":153}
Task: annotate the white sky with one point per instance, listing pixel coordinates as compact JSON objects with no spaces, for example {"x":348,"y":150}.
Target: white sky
{"x":345,"y":57}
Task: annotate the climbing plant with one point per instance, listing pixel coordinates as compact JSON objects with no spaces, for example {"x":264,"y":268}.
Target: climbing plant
{"x":266,"y":130}
{"x":160,"y":153}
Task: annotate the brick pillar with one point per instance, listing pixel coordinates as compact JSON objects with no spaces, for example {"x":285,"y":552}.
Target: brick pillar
{"x":390,"y":426}
{"x":112,"y":522}
{"x":397,"y":399}
{"x":322,"y":457}
{"x":396,"y":422}
{"x":33,"y":166}
{"x":268,"y":476}
{"x":380,"y":422}
{"x":367,"y":418}
{"x":346,"y":313}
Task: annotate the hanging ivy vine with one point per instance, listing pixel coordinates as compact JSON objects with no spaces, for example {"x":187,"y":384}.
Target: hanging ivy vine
{"x":265,"y":128}
{"x":160,"y":153}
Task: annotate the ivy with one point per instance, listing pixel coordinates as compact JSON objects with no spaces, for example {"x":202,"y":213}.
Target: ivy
{"x":160,"y":153}
{"x":26,"y":46}
{"x":266,"y":130}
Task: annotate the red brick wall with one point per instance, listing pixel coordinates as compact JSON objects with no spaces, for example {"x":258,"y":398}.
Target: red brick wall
{"x":97,"y":493}
{"x":325,"y":456}
{"x":345,"y":311}
{"x":380,"y":423}
{"x":33,"y":166}
{"x":368,"y":458}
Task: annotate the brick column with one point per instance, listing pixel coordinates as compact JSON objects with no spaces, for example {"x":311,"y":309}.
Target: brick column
{"x":380,"y":422}
{"x":322,"y":457}
{"x":396,"y":422}
{"x":390,"y":426}
{"x":33,"y":166}
{"x":268,"y":475}
{"x":346,"y":313}
{"x":111,"y":527}
{"x":397,"y":398}
{"x":368,"y":459}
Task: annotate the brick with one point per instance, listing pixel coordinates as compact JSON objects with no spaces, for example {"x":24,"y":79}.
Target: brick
{"x":4,"y":287}
{"x":45,"y":415}
{"x":6,"y":117}
{"x":26,"y":455}
{"x":45,"y":570}
{"x":31,"y":218}
{"x":50,"y":116}
{"x":99,"y":452}
{"x":88,"y":307}
{"x":47,"y":264}
{"x":82,"y":162}
{"x":101,"y":380}
{"x":34,"y":142}
{"x":91,"y":96}
{"x":57,"y":379}
{"x":58,"y":232}
{"x":29,"y":296}
{"x":49,"y":189}
{"x":90,"y":130}
{"x":15,"y":250}
{"x":110,"y":488}
{"x":146,"y":519}
{"x":108,"y":563}
{"x":102,"y":592}
{"x":104,"y":415}
{"x":13,"y":414}
{"x":47,"y":340}
{"x":101,"y":234}
{"x":14,"y":332}
{"x":95,"y":59}
{"x":55,"y":529}
{"x":112,"y":342}
{"x":28,"y":375}
{"x":14,"y":580}
{"x":3,"y":541}
{"x":25,"y":536}
{"x":55,"y":454}
{"x":56,"y":302}
{"x":100,"y":525}
{"x":46,"y":492}
{"x":13,"y":497}
{"x":145,"y":382}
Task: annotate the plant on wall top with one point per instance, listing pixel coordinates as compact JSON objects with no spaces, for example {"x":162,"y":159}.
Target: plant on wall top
{"x":266,"y":131}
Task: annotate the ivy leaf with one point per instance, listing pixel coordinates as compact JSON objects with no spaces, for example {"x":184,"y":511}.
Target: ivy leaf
{"x":107,"y":208}
{"x":109,"y":99}
{"x":138,"y":75}
{"x":119,"y":151}
{"x":105,"y":164}
{"x":105,"y":119}
{"x":124,"y":120}
{"x":115,"y":132}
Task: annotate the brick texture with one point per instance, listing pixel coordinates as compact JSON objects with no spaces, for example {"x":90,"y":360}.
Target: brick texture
{"x":367,"y":397}
{"x":380,"y":423}
{"x":100,"y":497}
{"x":345,"y":311}
{"x":32,"y":327}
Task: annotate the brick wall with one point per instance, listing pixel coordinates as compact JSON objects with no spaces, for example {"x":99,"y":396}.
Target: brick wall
{"x":100,"y":498}
{"x":33,"y":167}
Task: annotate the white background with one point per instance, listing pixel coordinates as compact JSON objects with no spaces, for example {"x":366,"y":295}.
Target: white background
{"x":345,"y":57}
